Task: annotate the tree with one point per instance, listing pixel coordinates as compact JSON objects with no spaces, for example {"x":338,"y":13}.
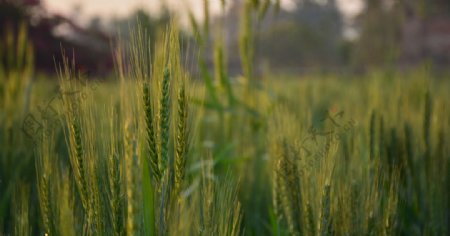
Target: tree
{"x":380,"y":25}
{"x":308,"y":36}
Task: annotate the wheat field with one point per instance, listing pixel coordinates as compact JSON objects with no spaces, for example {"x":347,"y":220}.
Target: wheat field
{"x":157,"y":150}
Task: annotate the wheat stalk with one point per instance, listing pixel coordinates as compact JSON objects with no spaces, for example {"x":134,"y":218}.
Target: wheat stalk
{"x":372,"y":135}
{"x":427,"y":130}
{"x":311,"y":228}
{"x":44,"y":172}
{"x":65,"y":206}
{"x":325,"y":224}
{"x":21,"y":206}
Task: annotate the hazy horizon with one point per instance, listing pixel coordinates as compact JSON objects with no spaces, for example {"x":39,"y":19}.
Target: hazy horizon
{"x":84,"y":10}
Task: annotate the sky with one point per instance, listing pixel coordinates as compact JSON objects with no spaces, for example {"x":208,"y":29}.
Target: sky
{"x":84,"y":10}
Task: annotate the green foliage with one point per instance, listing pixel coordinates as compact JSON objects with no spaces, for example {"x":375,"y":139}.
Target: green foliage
{"x":312,"y":37}
{"x":379,"y":43}
{"x":16,"y":69}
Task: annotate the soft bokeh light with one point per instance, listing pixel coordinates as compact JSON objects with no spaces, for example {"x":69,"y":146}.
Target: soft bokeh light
{"x":86,"y":9}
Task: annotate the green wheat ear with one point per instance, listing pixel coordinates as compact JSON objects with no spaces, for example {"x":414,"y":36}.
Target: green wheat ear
{"x":44,"y":200}
{"x":151,"y":139}
{"x":78,"y":163}
{"x":115,"y":192}
{"x":133,"y":182}
{"x":290,"y":191}
{"x":181,"y":137}
{"x":164,"y":120}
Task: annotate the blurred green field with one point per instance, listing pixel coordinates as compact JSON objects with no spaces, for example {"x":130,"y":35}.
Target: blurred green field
{"x":155,"y":150}
{"x":252,"y":168}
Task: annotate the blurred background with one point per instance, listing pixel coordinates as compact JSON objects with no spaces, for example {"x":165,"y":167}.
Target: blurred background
{"x":304,"y":36}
